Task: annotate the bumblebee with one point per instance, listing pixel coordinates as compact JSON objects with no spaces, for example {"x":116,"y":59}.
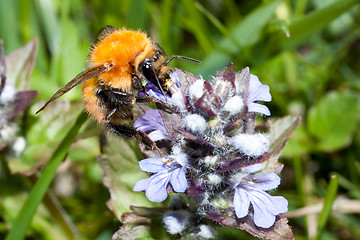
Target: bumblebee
{"x":120,"y":64}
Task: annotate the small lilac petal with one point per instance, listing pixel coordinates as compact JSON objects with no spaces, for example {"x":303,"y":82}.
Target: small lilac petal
{"x":158,"y":135}
{"x":263,"y":93}
{"x":141,"y":185}
{"x":281,"y":204}
{"x":256,"y":107}
{"x":262,"y":217}
{"x":254,"y":82}
{"x":152,"y":122}
{"x":152,"y":165}
{"x":150,"y":116}
{"x":241,"y":202}
{"x":258,"y":91}
{"x":266,"y":181}
{"x":256,"y":88}
{"x":266,"y":207}
{"x":141,"y":124}
{"x":273,"y":204}
{"x":157,"y":94}
{"x":261,"y":204}
{"x":178,"y":180}
{"x":156,"y":190}
{"x":253,"y":168}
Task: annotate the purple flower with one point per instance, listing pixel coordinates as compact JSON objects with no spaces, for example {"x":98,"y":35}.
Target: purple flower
{"x":166,"y":171}
{"x":250,"y":188}
{"x":152,"y":124}
{"x":258,"y":92}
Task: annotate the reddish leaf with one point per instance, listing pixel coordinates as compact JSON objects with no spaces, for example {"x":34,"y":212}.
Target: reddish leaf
{"x":20,"y":63}
{"x":279,"y":231}
{"x":241,"y":162}
{"x":228,"y":74}
{"x":22,"y":100}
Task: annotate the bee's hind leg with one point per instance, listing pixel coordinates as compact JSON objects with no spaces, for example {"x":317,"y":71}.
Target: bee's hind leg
{"x":134,"y":134}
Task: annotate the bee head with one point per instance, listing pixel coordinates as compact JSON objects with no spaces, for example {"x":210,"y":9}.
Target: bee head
{"x":156,"y":70}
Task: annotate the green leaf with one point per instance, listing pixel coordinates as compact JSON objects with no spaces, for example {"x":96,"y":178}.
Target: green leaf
{"x":332,"y":121}
{"x":23,"y":220}
{"x":142,"y":223}
{"x":119,"y":163}
{"x":49,"y":129}
{"x":280,"y":131}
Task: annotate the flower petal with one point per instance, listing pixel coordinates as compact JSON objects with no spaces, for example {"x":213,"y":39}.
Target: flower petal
{"x":266,"y":207}
{"x":156,"y":190}
{"x":141,"y":185}
{"x":152,"y":165}
{"x":258,"y":91}
{"x":266,"y":181}
{"x":158,"y":135}
{"x":152,"y":122}
{"x":241,"y":202}
{"x":256,"y":107}
{"x":178,"y":180}
{"x":253,"y":168}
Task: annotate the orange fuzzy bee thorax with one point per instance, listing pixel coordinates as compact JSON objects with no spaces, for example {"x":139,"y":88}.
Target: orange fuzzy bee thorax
{"x":123,"y":48}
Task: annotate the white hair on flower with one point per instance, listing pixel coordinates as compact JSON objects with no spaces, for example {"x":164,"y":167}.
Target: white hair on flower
{"x":234,"y":105}
{"x":253,"y":145}
{"x":195,"y":123}
{"x":196,"y":90}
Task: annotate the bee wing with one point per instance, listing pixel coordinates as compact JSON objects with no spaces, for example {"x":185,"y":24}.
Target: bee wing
{"x":82,"y":77}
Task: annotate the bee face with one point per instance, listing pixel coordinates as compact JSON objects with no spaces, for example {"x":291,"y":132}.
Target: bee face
{"x":156,"y":69}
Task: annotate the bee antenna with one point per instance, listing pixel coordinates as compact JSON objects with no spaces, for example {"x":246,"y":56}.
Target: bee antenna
{"x":182,"y":57}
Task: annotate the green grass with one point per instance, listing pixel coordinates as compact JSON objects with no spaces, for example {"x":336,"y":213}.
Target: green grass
{"x":315,"y":72}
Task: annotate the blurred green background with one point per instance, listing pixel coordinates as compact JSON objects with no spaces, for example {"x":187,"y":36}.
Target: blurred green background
{"x":307,"y":51}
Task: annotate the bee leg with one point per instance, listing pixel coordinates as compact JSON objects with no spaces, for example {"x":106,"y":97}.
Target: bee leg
{"x":107,"y":119}
{"x":134,"y":134}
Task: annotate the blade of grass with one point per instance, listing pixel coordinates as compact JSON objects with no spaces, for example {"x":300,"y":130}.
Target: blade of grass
{"x":58,"y":213}
{"x":328,"y":202}
{"x":47,"y":14}
{"x":194,"y":23}
{"x":300,"y":7}
{"x":165,"y":27}
{"x":247,"y":33}
{"x":23,"y":220}
{"x":352,"y":188}
{"x":302,"y":28}
{"x":8,"y":22}
{"x":299,"y":178}
{"x":212,"y":19}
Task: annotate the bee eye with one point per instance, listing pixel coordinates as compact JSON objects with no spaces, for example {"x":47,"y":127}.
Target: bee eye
{"x":146,"y":68}
{"x":156,"y":57}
